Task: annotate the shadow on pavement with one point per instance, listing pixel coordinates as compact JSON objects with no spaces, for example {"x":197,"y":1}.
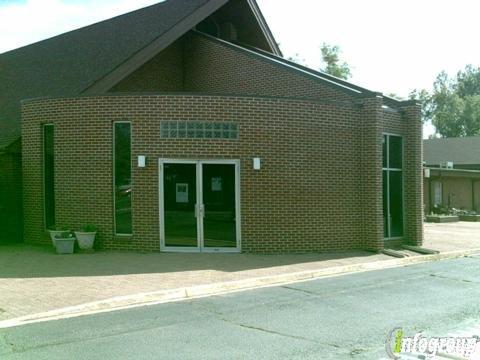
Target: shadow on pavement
{"x":29,"y":261}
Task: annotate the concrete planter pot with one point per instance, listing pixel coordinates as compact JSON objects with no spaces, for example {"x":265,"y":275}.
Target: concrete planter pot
{"x":85,"y":239}
{"x":65,"y":245}
{"x":471,"y":218}
{"x":54,"y":233}
{"x":442,"y":218}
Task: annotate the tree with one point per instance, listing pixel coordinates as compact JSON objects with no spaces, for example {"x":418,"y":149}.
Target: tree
{"x":296,"y":59}
{"x":454,"y":105}
{"x":332,"y":64}
{"x":425,"y":100}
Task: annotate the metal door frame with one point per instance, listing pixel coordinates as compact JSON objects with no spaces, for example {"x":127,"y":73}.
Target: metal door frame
{"x":199,"y":206}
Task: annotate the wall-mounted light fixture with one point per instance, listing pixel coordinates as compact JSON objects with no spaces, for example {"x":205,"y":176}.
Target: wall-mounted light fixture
{"x":257,"y":164}
{"x":142,"y":160}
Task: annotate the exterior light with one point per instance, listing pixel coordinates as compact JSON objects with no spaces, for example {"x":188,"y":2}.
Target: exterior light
{"x":257,"y":165}
{"x":141,"y":161}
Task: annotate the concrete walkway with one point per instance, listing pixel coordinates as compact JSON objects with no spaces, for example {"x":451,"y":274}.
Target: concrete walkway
{"x":35,"y":280}
{"x":452,"y":236}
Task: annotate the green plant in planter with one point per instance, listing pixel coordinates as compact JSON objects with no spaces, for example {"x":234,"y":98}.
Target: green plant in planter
{"x":55,"y":230}
{"x":66,"y":234}
{"x":89,"y":228}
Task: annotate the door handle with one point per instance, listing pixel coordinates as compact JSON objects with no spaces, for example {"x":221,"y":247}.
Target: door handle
{"x":199,"y":210}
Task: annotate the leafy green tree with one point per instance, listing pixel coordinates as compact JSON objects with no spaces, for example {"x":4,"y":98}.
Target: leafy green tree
{"x":454,"y":105}
{"x":425,"y":100}
{"x":297,"y":59}
{"x":468,"y":81}
{"x":332,"y":64}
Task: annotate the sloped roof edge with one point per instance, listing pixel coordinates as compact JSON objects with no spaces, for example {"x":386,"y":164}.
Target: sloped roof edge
{"x":273,"y":59}
{"x":264,"y":26}
{"x":149,"y":51}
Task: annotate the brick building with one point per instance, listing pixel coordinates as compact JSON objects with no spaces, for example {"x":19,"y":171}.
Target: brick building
{"x":180,"y":127}
{"x":452,"y":173}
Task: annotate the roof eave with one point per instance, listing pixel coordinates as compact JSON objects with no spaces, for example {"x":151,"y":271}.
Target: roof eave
{"x":331,"y":80}
{"x":148,"y":52}
{"x":265,"y":28}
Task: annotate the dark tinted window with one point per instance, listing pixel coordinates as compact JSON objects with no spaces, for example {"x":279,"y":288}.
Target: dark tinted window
{"x":384,"y":150}
{"x":123,"y":176}
{"x":395,"y":152}
{"x":385,"y":204}
{"x":49,"y":175}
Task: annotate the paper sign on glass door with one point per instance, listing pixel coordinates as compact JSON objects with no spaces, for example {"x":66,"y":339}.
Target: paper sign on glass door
{"x":216,"y":184}
{"x":182,"y":193}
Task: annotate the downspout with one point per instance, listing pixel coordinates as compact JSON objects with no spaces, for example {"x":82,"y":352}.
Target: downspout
{"x":473,"y":195}
{"x":430,"y":203}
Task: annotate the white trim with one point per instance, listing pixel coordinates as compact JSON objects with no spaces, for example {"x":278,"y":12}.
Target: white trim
{"x":392,"y":134}
{"x":238,"y":221}
{"x":199,"y":201}
{"x":161,"y":205}
{"x":264,"y":27}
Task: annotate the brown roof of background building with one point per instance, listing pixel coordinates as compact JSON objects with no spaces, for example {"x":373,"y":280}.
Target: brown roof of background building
{"x":461,"y":151}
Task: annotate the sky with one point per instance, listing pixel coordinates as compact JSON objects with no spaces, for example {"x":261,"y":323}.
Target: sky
{"x":392,"y":46}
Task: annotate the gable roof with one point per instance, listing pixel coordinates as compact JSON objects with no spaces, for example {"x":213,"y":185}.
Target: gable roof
{"x":67,"y":64}
{"x":462,"y":151}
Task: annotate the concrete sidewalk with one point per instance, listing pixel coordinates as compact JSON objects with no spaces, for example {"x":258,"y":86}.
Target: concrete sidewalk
{"x":35,"y":280}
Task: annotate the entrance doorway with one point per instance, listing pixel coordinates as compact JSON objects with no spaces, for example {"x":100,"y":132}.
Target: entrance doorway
{"x":199,"y":205}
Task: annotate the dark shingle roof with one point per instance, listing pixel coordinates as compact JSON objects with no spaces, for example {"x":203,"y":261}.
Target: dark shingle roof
{"x":462,"y":151}
{"x":67,"y":64}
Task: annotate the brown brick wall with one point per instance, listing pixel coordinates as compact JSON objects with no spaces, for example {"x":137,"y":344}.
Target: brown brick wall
{"x":198,"y":64}
{"x":413,"y":174}
{"x":406,"y":122}
{"x":164,"y":72}
{"x":218,"y":68}
{"x":457,"y":192}
{"x":305,"y":198}
{"x":371,"y":175}
{"x":321,"y":182}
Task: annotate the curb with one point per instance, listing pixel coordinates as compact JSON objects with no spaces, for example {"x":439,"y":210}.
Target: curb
{"x":192,"y":292}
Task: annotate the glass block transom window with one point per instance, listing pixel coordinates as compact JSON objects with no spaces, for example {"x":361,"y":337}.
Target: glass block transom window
{"x":198,"y":130}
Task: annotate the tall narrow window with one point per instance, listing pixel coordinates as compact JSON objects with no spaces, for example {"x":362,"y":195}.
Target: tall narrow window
{"x":393,"y":186}
{"x":123,"y":178}
{"x":48,"y":175}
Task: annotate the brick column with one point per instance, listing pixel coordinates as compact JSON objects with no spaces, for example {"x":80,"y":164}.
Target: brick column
{"x":371,"y":174}
{"x":413,"y":178}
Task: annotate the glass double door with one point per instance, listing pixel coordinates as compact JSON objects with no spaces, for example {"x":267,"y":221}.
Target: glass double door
{"x":199,"y":205}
